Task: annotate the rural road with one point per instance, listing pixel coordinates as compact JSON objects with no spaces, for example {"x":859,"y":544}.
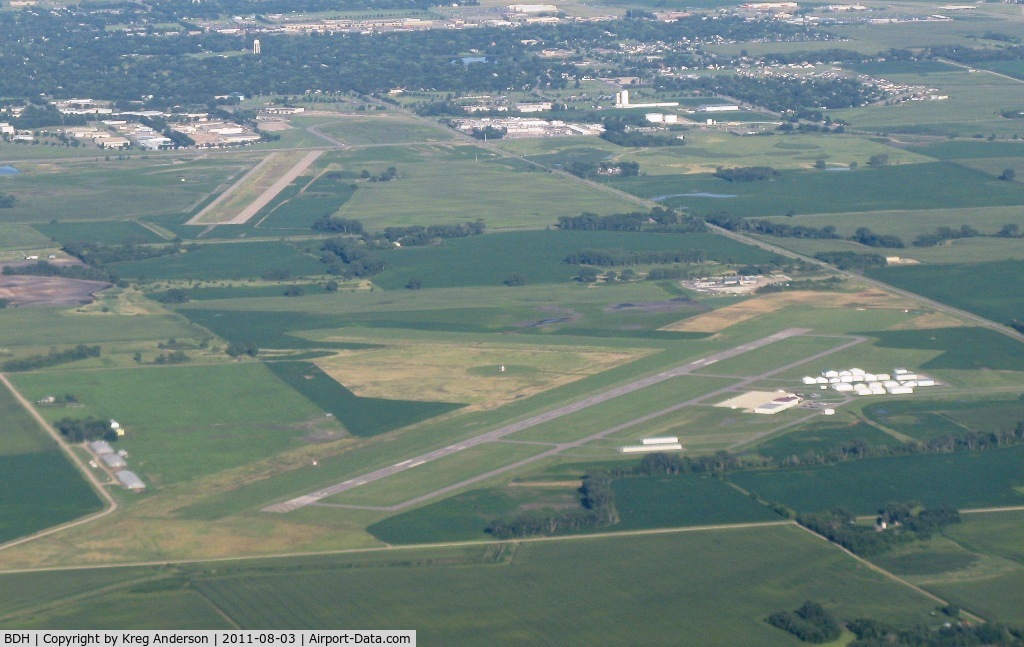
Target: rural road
{"x":497,"y":434}
{"x":75,"y":460}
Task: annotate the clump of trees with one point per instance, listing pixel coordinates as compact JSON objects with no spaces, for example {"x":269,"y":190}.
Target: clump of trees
{"x":349,"y":257}
{"x":174,"y":295}
{"x":237,"y":349}
{"x":810,"y":623}
{"x":488,"y":133}
{"x":7,"y":200}
{"x":589,"y":169}
{"x":45,"y":268}
{"x":338,"y":225}
{"x":943,"y":234}
{"x":906,"y":522}
{"x":98,"y":254}
{"x":79,"y":430}
{"x":419,"y":235}
{"x":770,"y":228}
{"x":657,"y":220}
{"x":865,"y":236}
{"x":620,"y":257}
{"x":53,"y":358}
{"x":871,"y":633}
{"x":746,"y":173}
{"x":617,"y":132}
{"x":597,"y":510}
{"x":851,"y":260}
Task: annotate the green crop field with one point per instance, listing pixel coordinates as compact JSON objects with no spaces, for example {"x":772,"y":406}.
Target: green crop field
{"x":908,"y":224}
{"x":383,"y":129}
{"x":820,"y":437}
{"x":923,"y":419}
{"x":1009,"y":68}
{"x":963,"y":348}
{"x":45,"y":327}
{"x":971,"y":149}
{"x":42,"y":488}
{"x":903,"y":186}
{"x":112,"y":232}
{"x":963,"y":480}
{"x":21,"y":237}
{"x":321,"y":198}
{"x":998,"y":293}
{"x":361,"y":416}
{"x":98,"y":190}
{"x":539,"y":256}
{"x":463,"y":189}
{"x":187,"y":421}
{"x":224,"y":261}
{"x":667,"y":501}
{"x":716,"y":585}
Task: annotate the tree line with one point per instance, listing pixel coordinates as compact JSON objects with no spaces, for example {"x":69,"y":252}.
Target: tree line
{"x":851,"y":261}
{"x":86,"y":429}
{"x":915,"y":524}
{"x":45,"y":268}
{"x":620,"y":257}
{"x":746,"y":173}
{"x":597,"y":510}
{"x":811,"y":623}
{"x":53,"y":358}
{"x":657,"y":220}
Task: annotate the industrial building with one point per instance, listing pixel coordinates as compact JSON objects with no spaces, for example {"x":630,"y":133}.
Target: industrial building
{"x":130,"y":480}
{"x":662,"y":444}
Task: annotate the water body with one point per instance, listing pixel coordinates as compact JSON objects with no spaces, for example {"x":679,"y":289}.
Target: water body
{"x":838,"y":168}
{"x":8,"y":170}
{"x":694,"y":195}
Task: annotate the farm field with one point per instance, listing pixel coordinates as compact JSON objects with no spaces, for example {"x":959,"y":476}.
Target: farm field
{"x":701,"y":584}
{"x":383,"y":129}
{"x":902,"y":186}
{"x":187,"y":421}
{"x":117,"y":189}
{"x":227,"y":261}
{"x":998,"y":298}
{"x":462,"y":183}
{"x":111,"y":232}
{"x":965,"y":480}
{"x":540,"y":256}
{"x":29,"y":503}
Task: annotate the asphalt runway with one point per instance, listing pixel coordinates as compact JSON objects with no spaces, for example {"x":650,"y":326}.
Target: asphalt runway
{"x":501,"y":432}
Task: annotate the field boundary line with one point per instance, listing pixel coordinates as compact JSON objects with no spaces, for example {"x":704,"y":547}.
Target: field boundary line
{"x":105,"y":496}
{"x":400,"y":547}
{"x":892,"y":576}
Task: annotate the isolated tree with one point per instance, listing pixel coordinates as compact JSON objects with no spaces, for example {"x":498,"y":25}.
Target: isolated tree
{"x":414,"y":284}
{"x":1008,"y":174}
{"x":515,"y":279}
{"x":819,"y":164}
{"x":879,"y":160}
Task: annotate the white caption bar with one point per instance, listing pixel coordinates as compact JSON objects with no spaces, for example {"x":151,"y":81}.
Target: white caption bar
{"x":327,"y":638}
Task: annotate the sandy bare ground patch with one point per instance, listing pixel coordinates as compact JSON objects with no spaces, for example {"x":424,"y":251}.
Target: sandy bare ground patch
{"x":468,"y":374}
{"x":48,"y":290}
{"x":718,"y":320}
{"x":254,"y":190}
{"x":274,"y":125}
{"x":654,"y":307}
{"x":928,"y":321}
